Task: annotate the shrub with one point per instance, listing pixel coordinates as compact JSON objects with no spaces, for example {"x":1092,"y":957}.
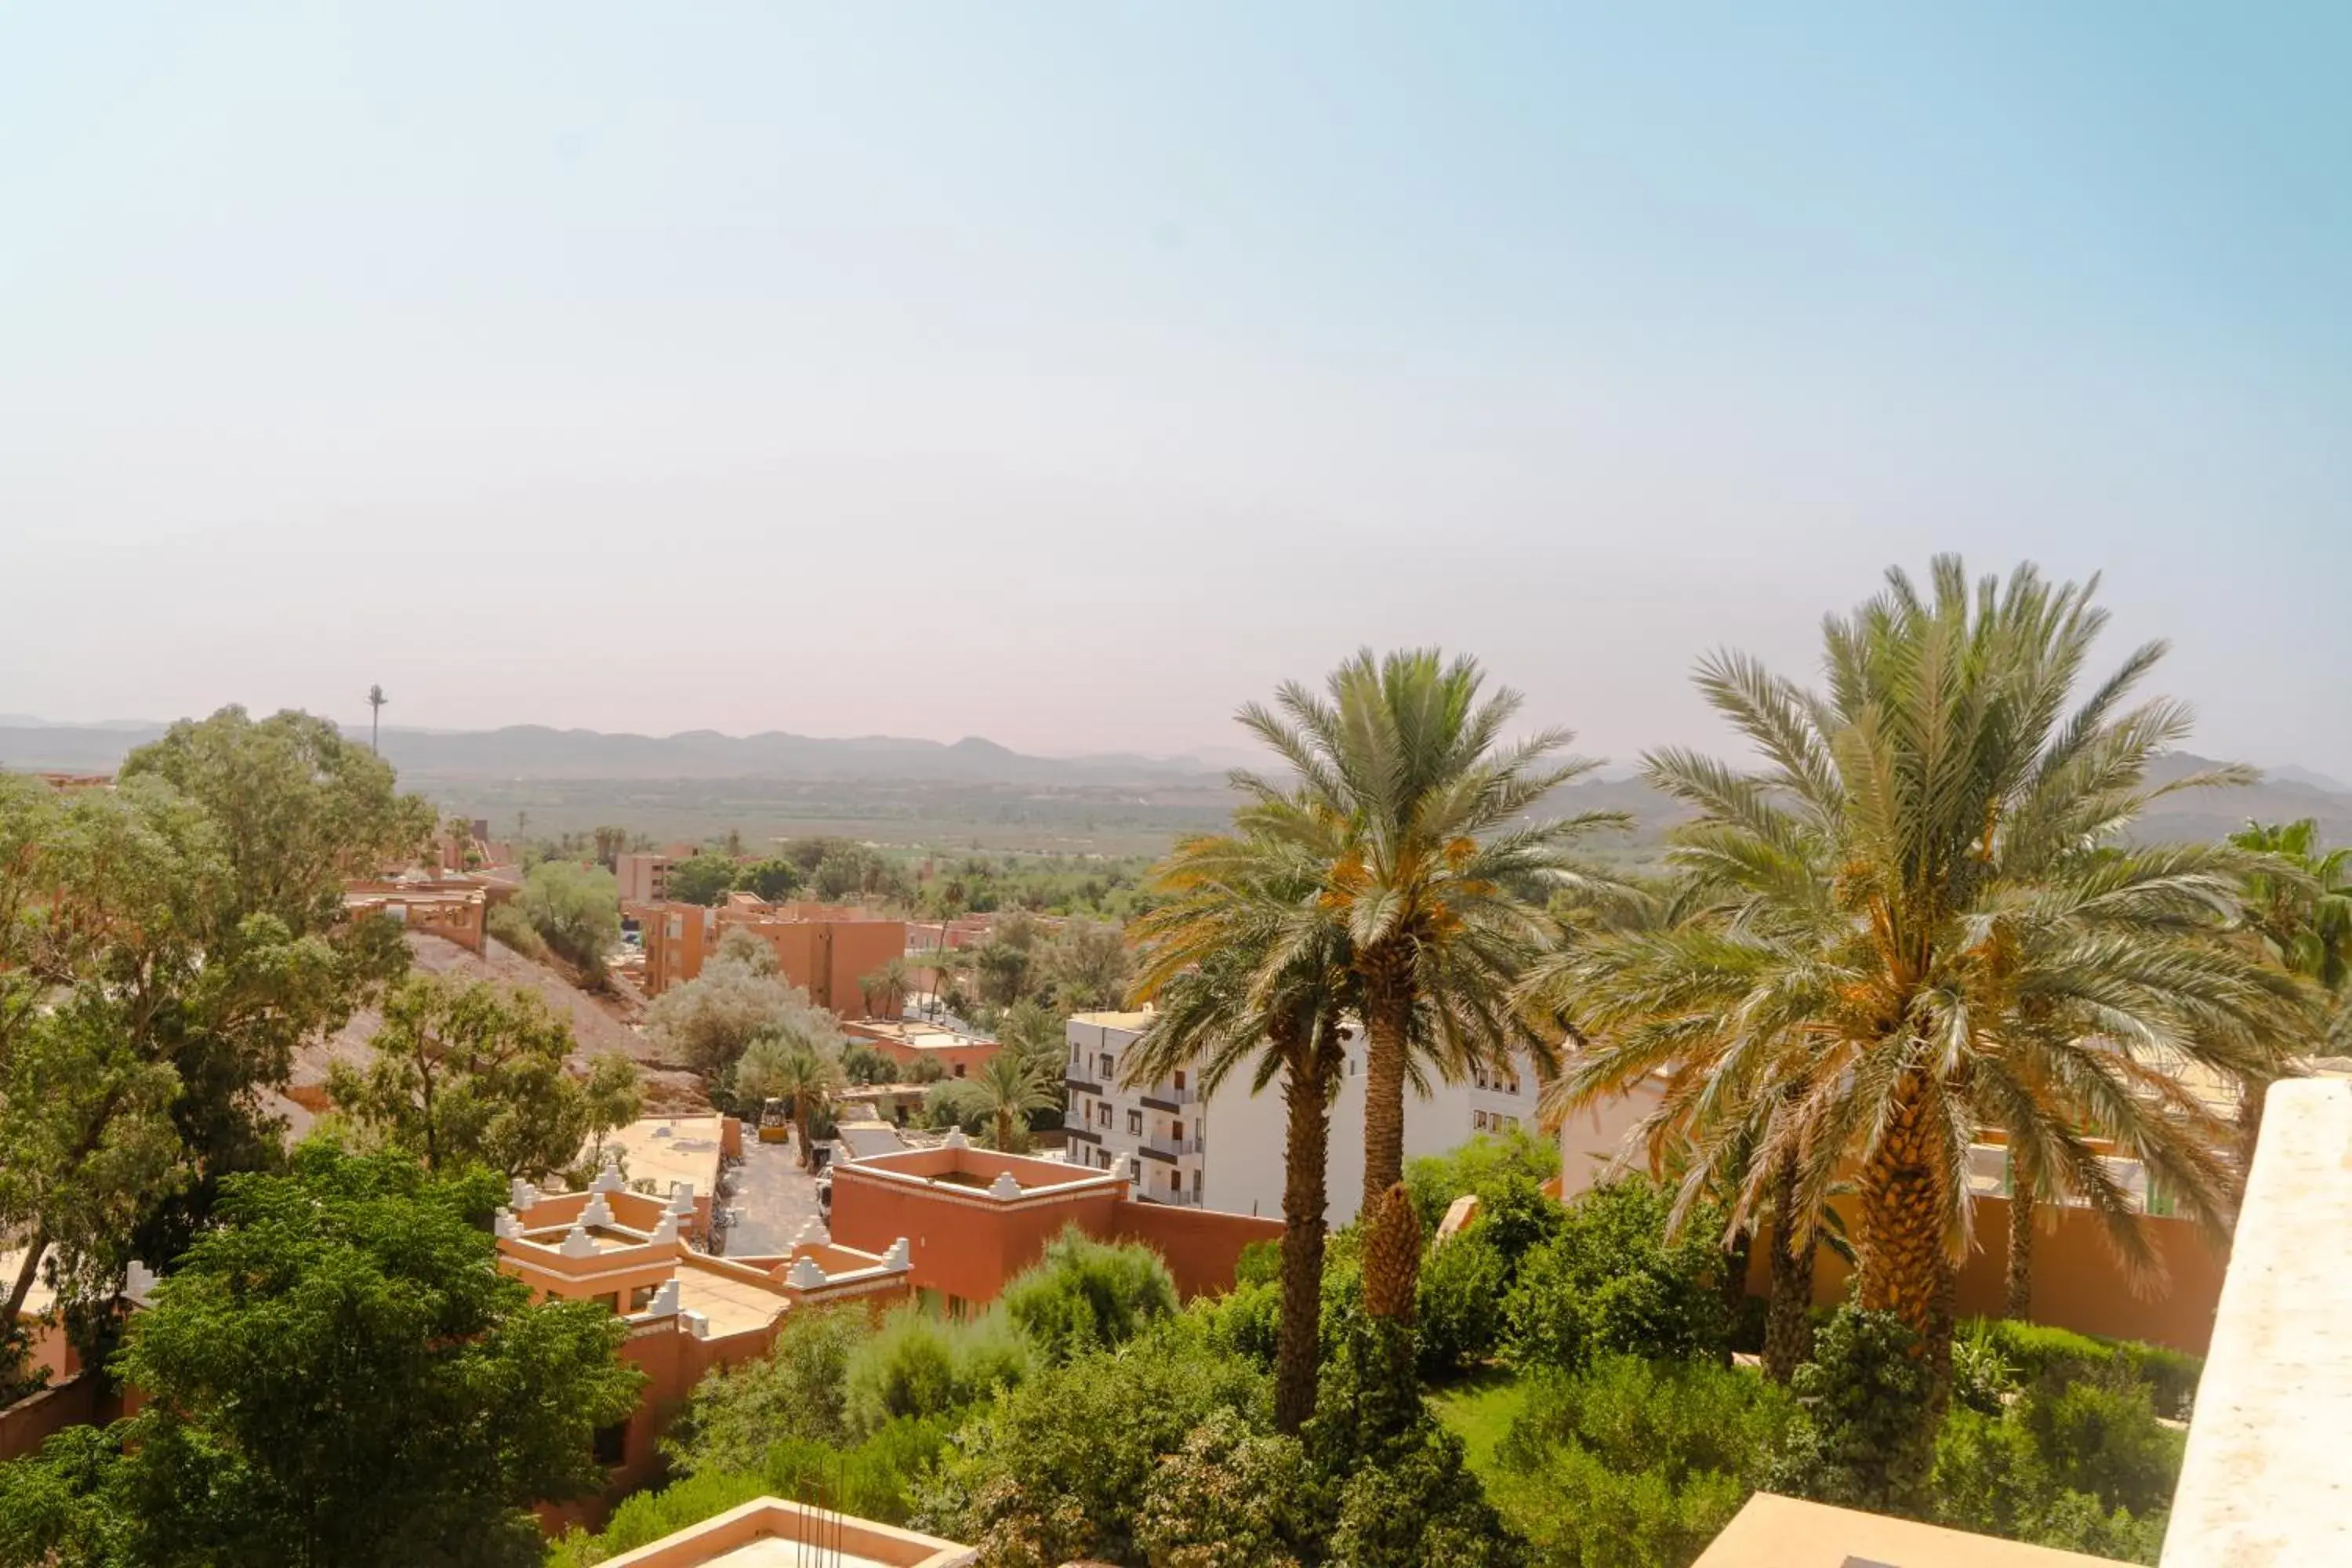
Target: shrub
{"x":874,"y":1479}
{"x":1227,"y":1498}
{"x":648,"y":1515}
{"x":510,"y":926}
{"x":1057,"y":1467}
{"x":2055,"y":1357}
{"x":1458,"y":1312}
{"x":1246,"y":1322}
{"x":1581,"y":1513}
{"x":2105,"y":1441}
{"x":799,"y":1390}
{"x":1419,"y":1504}
{"x":1485,"y":1165}
{"x":919,"y":1366}
{"x":1612,"y":1282}
{"x":1085,"y":1293}
{"x":1992,"y":1476}
{"x":1863,"y":1441}
{"x":955,"y":1102}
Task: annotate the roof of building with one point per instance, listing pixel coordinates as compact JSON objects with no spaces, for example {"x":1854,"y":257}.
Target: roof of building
{"x":1112,"y":1020}
{"x":2265,"y":1479}
{"x":918,"y":1035}
{"x":1774,"y":1531}
{"x":767,"y":1533}
{"x":666,"y":1149}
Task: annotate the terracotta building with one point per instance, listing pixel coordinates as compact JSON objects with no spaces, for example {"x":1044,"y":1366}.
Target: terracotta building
{"x":825,"y":950}
{"x":907,"y":1042}
{"x":973,"y":1219}
{"x":456,"y":908}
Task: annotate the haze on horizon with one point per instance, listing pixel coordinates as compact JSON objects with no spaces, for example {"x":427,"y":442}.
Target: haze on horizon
{"x":1069,"y":374}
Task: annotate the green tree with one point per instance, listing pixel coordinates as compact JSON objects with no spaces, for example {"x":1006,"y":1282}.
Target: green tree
{"x":576,"y":911}
{"x":774,"y":879}
{"x":467,"y":1071}
{"x":141,"y":1005}
{"x":610,"y":844}
{"x":2295,"y":905}
{"x":884,"y":990}
{"x":1415,"y":812}
{"x":708,"y":1021}
{"x":336,"y":1373}
{"x":1085,"y":966}
{"x":1246,"y":973}
{"x":1934,"y":926}
{"x":1083,"y":1294}
{"x":703,"y":879}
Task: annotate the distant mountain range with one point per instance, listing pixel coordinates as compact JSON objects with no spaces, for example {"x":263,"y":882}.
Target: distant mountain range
{"x":535,"y":753}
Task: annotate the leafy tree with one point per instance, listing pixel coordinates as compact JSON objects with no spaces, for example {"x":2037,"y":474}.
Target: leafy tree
{"x":702,"y":879}
{"x":709,"y":1020}
{"x":1085,"y":966}
{"x":799,"y":1389}
{"x":1458,"y":1312}
{"x":466,"y":1071}
{"x":1933,"y":926}
{"x":1084,"y":1293}
{"x":774,"y":879}
{"x":337,"y":1374}
{"x":1002,"y":969}
{"x":1485,"y":1167}
{"x":576,"y":911}
{"x":862,"y":1064}
{"x":1617,"y":1280}
{"x":956,"y":1102}
{"x":141,"y":1004}
{"x":1246,"y":976}
{"x":1058,"y":1468}
{"x":2295,"y":905}
{"x":300,"y":809}
{"x":1414,"y":813}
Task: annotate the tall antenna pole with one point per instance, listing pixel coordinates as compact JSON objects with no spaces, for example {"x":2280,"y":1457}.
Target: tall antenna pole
{"x":376,"y":700}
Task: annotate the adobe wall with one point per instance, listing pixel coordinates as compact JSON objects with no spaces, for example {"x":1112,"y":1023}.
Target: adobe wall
{"x":77,"y":1401}
{"x":1202,"y":1247}
{"x":965,"y":1248}
{"x":2077,"y":1283}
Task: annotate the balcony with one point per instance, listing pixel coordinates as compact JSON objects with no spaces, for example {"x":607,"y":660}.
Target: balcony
{"x":1082,"y":1086}
{"x":1169,"y":1098}
{"x":1168,"y":1148}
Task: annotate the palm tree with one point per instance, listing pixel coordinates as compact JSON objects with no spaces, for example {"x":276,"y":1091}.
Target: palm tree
{"x":1247,"y":971}
{"x":885,"y":990}
{"x":1413,"y":812}
{"x":1931,"y":927}
{"x":376,"y":700}
{"x":1009,"y":1087}
{"x":777,"y":1066}
{"x":2296,"y":907}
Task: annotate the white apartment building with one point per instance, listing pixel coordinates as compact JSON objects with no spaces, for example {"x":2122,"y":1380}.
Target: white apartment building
{"x":1223,"y":1150}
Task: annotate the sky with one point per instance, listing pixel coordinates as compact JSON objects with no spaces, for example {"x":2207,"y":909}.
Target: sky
{"x":1069,"y":374}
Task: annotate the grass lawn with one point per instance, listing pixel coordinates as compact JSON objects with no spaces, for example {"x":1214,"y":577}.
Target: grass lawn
{"x":1479,"y":1410}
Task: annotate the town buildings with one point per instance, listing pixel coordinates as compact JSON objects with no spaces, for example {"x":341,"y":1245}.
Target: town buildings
{"x":1223,"y":1150}
{"x":644,"y":878}
{"x":826,"y":950}
{"x":454,"y":907}
{"x":907,"y":1041}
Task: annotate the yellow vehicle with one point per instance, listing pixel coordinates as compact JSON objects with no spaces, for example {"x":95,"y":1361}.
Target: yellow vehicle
{"x":775,"y":1127}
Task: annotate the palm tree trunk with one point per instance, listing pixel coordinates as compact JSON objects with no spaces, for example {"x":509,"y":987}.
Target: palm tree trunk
{"x":1788,"y":1314}
{"x":1735,"y":1286}
{"x":1306,"y":1155}
{"x":1388,"y":1021}
{"x":1904,"y":1268}
{"x":2023,"y":1202}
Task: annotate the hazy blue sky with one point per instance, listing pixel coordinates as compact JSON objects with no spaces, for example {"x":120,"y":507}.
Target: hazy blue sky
{"x":1069,"y":374}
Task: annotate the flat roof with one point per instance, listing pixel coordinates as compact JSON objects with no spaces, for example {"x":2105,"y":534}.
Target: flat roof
{"x":768,"y":1532}
{"x":1774,"y":1531}
{"x":1112,"y":1020}
{"x":2265,"y":1479}
{"x":732,"y":1305}
{"x":666,"y":1149}
{"x":772,"y":1552}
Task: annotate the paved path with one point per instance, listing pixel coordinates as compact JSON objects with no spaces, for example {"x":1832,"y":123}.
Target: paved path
{"x":777,"y":1198}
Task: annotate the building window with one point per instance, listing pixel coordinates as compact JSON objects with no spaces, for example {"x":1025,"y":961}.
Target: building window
{"x":959,"y":1069}
{"x":1102,"y":1114}
{"x":1176,"y":1130}
{"x":1135,"y":1123}
{"x":1175,"y":1184}
{"x":1180,"y":1080}
{"x":610,"y":1446}
{"x":1477,"y":1121}
{"x":1103,"y":1062}
{"x":641,"y":1297}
